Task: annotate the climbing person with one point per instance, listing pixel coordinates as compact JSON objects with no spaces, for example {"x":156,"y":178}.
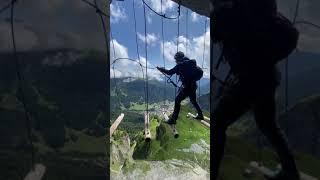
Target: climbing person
{"x":253,"y":37}
{"x":189,"y":73}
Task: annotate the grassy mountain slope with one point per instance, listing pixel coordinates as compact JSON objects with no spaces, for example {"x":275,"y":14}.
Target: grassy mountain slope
{"x":165,"y":146}
{"x":165,"y":155}
{"x":66,"y":96}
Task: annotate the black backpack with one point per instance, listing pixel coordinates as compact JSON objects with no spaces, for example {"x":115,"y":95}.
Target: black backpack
{"x":280,"y":39}
{"x":191,"y":71}
{"x":266,"y":35}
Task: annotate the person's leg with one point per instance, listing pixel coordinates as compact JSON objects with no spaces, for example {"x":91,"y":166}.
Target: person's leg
{"x":193,"y":99}
{"x":265,"y":115}
{"x":228,"y":110}
{"x":182,"y":94}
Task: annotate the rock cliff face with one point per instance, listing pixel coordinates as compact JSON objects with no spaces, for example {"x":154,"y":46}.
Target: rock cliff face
{"x":121,"y":151}
{"x":301,"y":124}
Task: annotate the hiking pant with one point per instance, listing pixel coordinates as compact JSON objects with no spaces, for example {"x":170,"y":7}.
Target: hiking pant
{"x":234,"y":103}
{"x":183,"y":93}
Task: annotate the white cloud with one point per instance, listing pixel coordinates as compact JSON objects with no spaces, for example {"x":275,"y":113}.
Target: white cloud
{"x":152,"y":73}
{"x":149,"y":18}
{"x":169,"y":50}
{"x":308,"y":43}
{"x":170,"y":47}
{"x":193,"y":48}
{"x":117,"y":13}
{"x":116,"y":73}
{"x":25,"y":38}
{"x":169,"y":8}
{"x":167,"y":5}
{"x":133,"y":69}
{"x":62,"y":58}
{"x":127,"y":68}
{"x":151,"y":38}
{"x":119,"y":51}
{"x":194,"y":17}
{"x":309,"y":38}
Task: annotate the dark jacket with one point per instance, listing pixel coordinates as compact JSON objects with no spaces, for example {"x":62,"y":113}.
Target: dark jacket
{"x":181,"y":70}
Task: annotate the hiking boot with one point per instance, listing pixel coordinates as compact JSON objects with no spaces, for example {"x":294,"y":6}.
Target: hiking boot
{"x":282,"y":175}
{"x":199,"y":117}
{"x":171,"y":121}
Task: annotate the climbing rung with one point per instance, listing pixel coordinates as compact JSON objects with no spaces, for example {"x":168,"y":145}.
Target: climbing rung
{"x":202,"y":121}
{"x":116,"y":124}
{"x":147,"y":133}
{"x":261,"y":169}
{"x":307,"y":177}
{"x":264,"y":170}
{"x":37,"y":173}
{"x":165,"y":116}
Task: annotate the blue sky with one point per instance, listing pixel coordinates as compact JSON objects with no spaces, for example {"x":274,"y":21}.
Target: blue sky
{"x":124,"y":36}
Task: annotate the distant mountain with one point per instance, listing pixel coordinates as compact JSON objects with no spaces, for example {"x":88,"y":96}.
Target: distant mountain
{"x":204,"y":86}
{"x":204,"y":81}
{"x":304,"y":73}
{"x":300,"y":62}
{"x":301,"y":125}
{"x":63,"y":88}
{"x":131,"y":90}
{"x":124,"y":92}
{"x":300,"y":85}
{"x":204,"y":102}
{"x":65,"y":92}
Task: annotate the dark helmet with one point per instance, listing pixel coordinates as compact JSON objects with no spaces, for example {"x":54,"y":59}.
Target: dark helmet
{"x":179,"y":56}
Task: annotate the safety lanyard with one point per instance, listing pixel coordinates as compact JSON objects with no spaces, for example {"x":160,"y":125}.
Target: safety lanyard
{"x":169,"y":79}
